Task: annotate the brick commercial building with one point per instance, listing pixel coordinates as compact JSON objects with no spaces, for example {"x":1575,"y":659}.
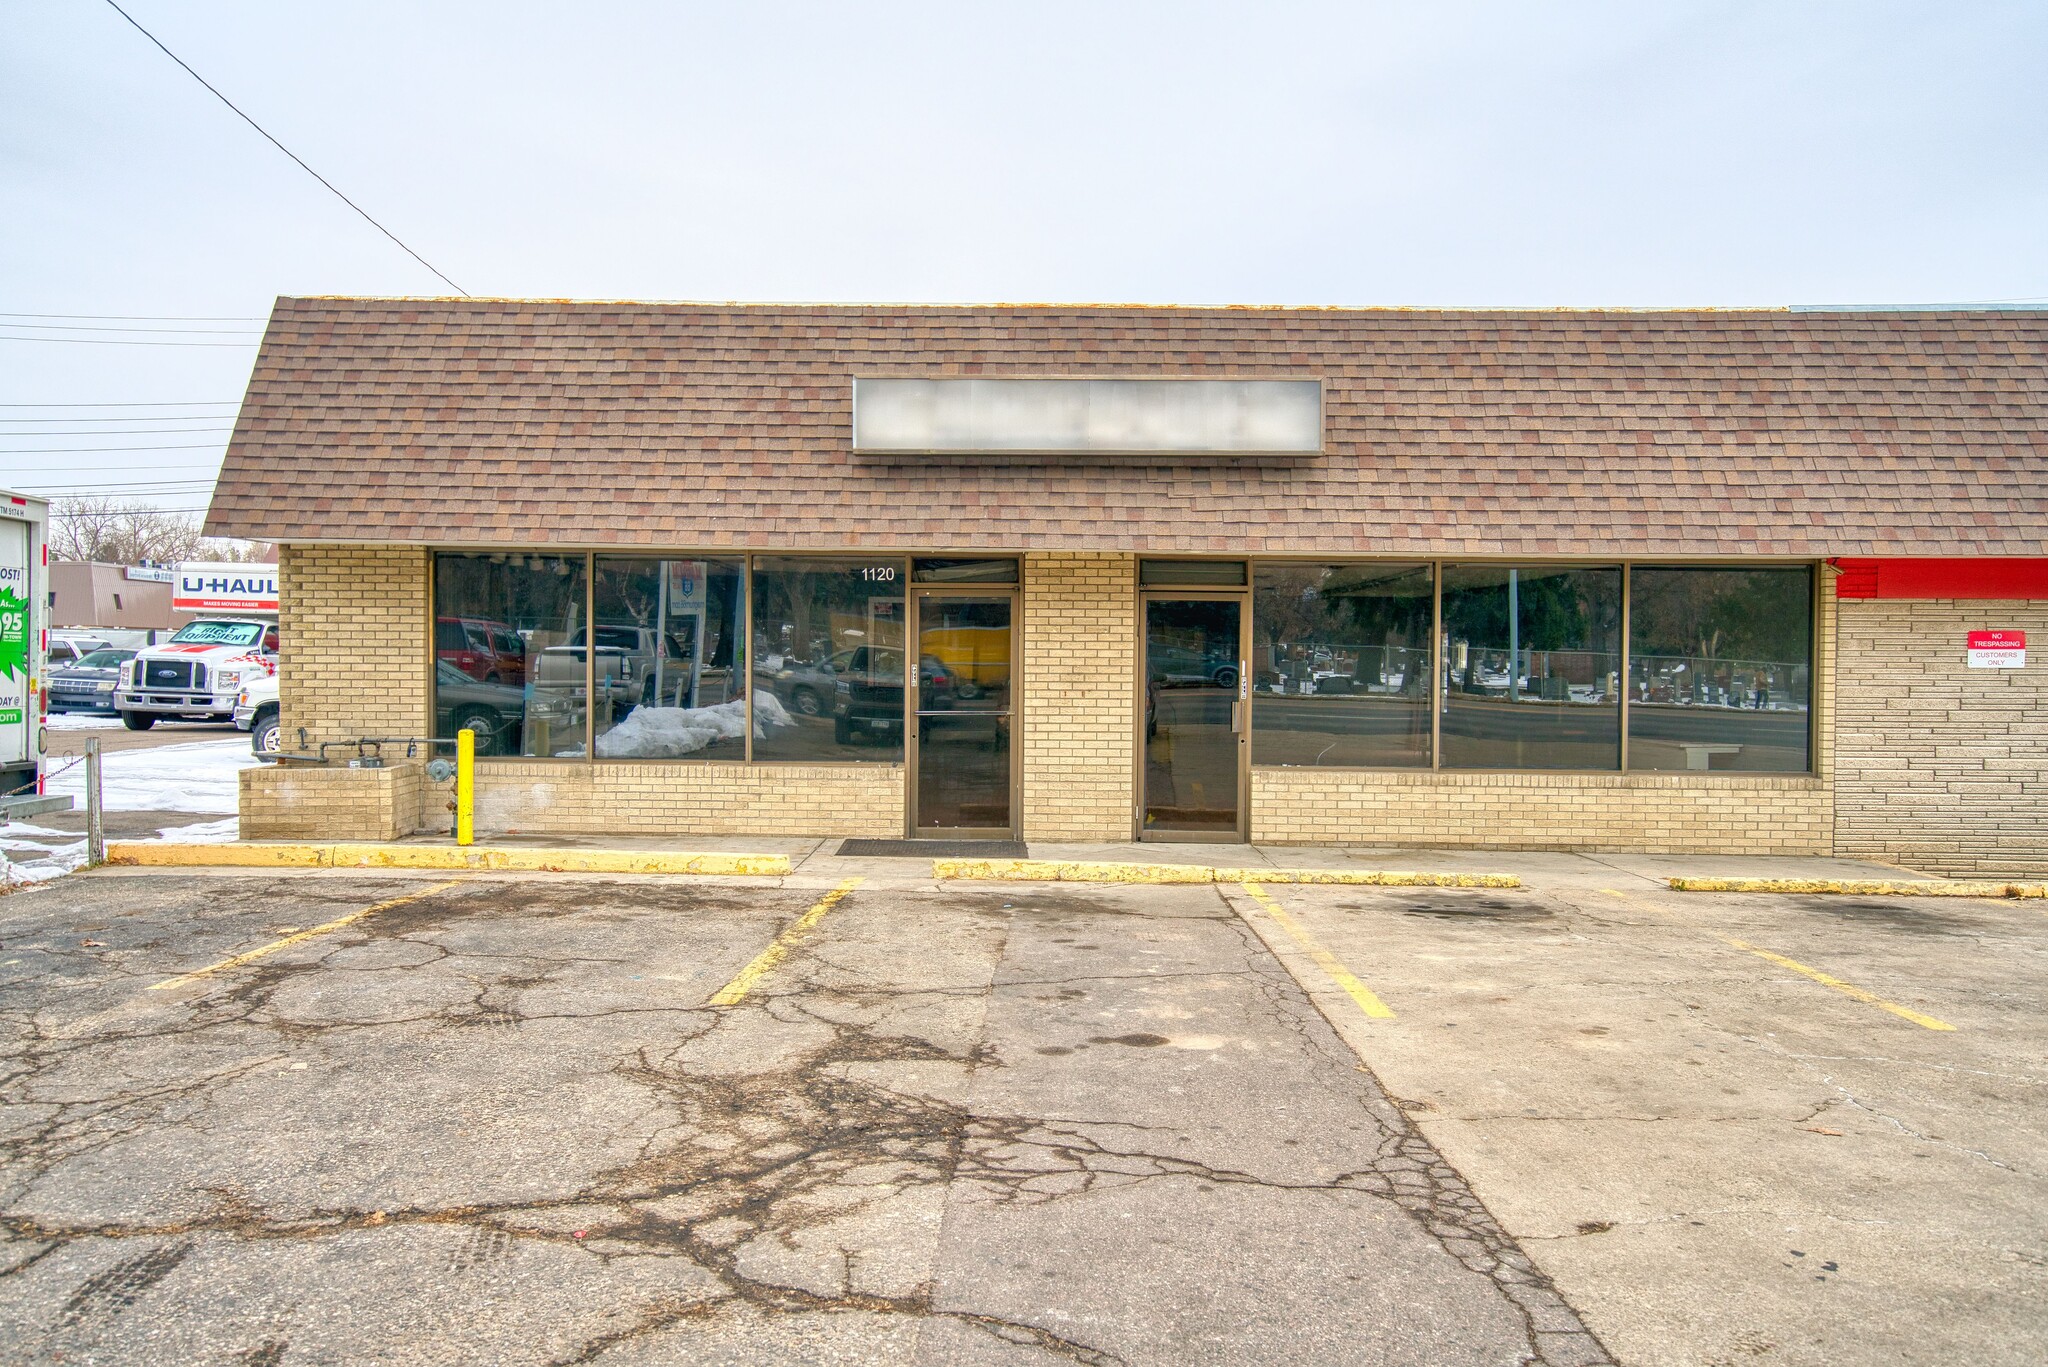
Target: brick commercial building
{"x":1629,"y":581}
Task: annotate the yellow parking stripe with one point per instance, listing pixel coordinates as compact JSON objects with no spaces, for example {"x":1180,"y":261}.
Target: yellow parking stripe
{"x":1324,"y":959}
{"x":1846,"y":989}
{"x":734,"y":991}
{"x":238,"y":960}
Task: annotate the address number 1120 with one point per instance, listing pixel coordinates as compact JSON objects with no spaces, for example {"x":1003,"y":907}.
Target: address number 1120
{"x":879,"y":574}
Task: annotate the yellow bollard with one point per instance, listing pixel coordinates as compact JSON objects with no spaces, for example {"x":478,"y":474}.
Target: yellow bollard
{"x":465,"y":787}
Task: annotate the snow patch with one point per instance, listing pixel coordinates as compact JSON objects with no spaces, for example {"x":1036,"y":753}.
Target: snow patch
{"x":82,"y":721}
{"x":222,"y":832}
{"x":32,"y":857}
{"x":199,"y":777}
{"x":670,"y":732}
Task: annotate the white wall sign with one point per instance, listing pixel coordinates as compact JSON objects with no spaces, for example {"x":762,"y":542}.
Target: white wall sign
{"x":203,"y":586}
{"x":1118,"y":416}
{"x":1998,"y":649}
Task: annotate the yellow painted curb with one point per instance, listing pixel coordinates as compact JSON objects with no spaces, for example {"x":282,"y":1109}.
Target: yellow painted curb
{"x":1866,"y":887}
{"x":1056,"y":871}
{"x":158,"y":854}
{"x":443,"y":857}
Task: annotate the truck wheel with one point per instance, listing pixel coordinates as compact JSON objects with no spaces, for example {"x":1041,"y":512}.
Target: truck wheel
{"x":263,"y":736}
{"x":1225,"y":677}
{"x":138,"y":721}
{"x":842,"y":730}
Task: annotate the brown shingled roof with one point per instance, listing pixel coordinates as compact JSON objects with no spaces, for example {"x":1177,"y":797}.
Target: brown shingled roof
{"x":713,"y":426}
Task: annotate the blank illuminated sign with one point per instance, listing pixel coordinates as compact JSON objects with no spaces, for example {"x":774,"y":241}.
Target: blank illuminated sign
{"x":1091,"y":416}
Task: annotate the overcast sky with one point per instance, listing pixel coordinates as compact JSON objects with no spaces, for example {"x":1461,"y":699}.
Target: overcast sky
{"x":1520,"y":153}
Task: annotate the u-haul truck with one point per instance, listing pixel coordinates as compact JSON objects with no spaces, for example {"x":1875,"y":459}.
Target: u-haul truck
{"x":198,"y":674}
{"x":24,"y":639}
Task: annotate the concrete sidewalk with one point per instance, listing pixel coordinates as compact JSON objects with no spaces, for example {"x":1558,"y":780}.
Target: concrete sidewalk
{"x":803,"y":861}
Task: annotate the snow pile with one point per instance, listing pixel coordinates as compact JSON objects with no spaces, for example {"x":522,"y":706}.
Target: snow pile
{"x":199,"y":777}
{"x":670,"y":732}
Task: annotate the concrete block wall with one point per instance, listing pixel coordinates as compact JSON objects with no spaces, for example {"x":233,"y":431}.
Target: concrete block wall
{"x":352,"y":642}
{"x":1077,"y":739}
{"x":654,"y":798}
{"x":1941,"y":767}
{"x":290,"y":802}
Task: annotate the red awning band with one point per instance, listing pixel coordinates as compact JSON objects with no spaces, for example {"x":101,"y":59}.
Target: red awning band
{"x":1978,"y":577}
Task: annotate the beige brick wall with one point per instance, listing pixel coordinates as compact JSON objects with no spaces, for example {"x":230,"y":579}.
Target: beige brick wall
{"x":1941,"y":767}
{"x":1644,"y":813}
{"x":1077,"y":739}
{"x":352,"y":658}
{"x":653,"y":798}
{"x":288,"y":802}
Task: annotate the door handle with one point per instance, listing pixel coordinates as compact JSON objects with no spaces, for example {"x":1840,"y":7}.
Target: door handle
{"x":1236,"y":718}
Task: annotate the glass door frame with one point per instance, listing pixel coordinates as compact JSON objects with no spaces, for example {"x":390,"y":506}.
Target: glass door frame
{"x":913,"y":658}
{"x":1241,"y":711}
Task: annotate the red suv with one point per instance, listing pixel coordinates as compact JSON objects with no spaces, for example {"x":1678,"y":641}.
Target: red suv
{"x":489,"y":652}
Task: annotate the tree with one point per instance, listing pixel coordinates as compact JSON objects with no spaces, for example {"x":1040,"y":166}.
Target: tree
{"x":120,"y":532}
{"x":117,"y":532}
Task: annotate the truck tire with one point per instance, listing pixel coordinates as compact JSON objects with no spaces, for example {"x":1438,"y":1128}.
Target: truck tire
{"x":138,"y":721}
{"x":264,"y":734}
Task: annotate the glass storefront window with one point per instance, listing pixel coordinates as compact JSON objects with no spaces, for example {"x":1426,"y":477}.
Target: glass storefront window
{"x":955,"y":570}
{"x":1531,"y":667}
{"x":508,"y":663}
{"x":829,"y":660}
{"x":1720,"y":669}
{"x":671,"y":677}
{"x":1340,"y":665}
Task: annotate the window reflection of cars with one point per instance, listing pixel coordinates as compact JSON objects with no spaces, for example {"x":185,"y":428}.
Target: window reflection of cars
{"x":490,"y":652}
{"x":868,"y":691}
{"x":807,"y":688}
{"x":1179,"y":667}
{"x":493,"y":711}
{"x":88,"y":685}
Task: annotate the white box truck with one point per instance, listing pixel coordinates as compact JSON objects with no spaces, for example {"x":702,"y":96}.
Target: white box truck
{"x":24,"y":639}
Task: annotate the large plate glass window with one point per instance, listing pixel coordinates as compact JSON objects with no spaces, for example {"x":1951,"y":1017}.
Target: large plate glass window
{"x":508,"y":659}
{"x":1340,"y":665}
{"x":670,"y":662}
{"x":1531,"y":667}
{"x":829,"y":639}
{"x":1720,"y":669}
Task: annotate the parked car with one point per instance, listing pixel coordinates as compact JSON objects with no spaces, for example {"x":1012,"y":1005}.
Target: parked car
{"x":808,"y":688}
{"x":87,"y":685}
{"x":868,"y":691}
{"x":66,"y":651}
{"x":489,"y":652}
{"x":1178,"y":667}
{"x":495,"y":712}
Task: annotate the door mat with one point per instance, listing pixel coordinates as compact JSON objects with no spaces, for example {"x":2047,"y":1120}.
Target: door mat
{"x":934,"y":849}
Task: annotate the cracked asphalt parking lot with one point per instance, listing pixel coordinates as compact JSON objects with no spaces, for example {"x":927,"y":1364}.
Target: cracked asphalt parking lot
{"x":503,"y":1122}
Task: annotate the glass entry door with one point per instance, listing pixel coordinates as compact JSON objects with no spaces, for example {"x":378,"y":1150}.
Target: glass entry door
{"x":1195,"y":721}
{"x":960,"y":766}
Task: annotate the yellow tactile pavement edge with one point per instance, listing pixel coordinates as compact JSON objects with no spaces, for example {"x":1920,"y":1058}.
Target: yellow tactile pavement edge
{"x":1085,"y":871}
{"x":372,"y":856}
{"x":1867,"y":887}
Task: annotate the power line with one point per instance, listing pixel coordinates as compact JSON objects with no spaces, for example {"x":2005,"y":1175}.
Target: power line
{"x":133,"y":432}
{"x":286,"y":150}
{"x":89,"y":450}
{"x":168,"y":403}
{"x":100,"y":513}
{"x":114,"y":341}
{"x":154,"y":417}
{"x":83,"y":327}
{"x":141,"y":317}
{"x":112,"y":469}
